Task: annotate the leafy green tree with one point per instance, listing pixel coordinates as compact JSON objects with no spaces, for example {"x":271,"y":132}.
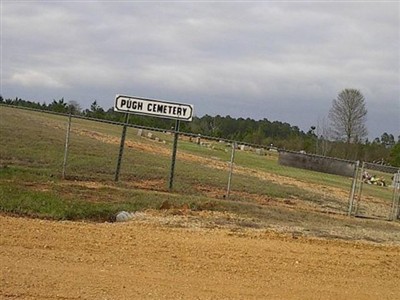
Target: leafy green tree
{"x":394,"y":156}
{"x":58,"y":106}
{"x":374,"y":151}
{"x":96,"y":111}
{"x":387,"y":140}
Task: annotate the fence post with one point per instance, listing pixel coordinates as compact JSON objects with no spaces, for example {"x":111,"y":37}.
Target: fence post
{"x":66,"y":146}
{"x":228,"y":190}
{"x":398,"y":205}
{"x":174,"y":148}
{"x":396,"y":197}
{"x":353,"y":187}
{"x":121,"y":148}
{"x":360,"y":187}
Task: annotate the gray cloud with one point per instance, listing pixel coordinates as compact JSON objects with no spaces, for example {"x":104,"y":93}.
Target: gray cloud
{"x":281,"y":61}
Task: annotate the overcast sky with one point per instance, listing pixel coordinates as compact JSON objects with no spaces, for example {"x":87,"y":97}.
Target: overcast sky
{"x":282,"y":61}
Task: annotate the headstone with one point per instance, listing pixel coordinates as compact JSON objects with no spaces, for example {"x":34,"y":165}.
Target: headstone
{"x":260,"y":151}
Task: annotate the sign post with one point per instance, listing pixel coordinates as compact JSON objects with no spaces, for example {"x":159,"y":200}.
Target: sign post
{"x":174,"y":147}
{"x":121,"y":148}
{"x":154,"y":108}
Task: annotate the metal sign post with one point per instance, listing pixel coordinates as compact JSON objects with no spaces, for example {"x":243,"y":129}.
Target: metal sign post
{"x":174,"y":148}
{"x":121,"y":148}
{"x":155,"y":108}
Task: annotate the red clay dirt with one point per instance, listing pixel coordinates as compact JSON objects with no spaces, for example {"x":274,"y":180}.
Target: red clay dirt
{"x":138,"y":259}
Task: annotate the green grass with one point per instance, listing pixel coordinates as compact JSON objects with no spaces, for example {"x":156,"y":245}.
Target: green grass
{"x":32,"y":149}
{"x":44,"y":197}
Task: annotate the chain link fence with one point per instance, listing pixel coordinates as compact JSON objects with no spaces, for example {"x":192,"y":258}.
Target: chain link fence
{"x":90,"y":152}
{"x":377,"y":192}
{"x":334,"y":178}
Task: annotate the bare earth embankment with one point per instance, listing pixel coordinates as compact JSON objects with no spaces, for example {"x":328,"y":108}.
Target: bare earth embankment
{"x":142,"y":260}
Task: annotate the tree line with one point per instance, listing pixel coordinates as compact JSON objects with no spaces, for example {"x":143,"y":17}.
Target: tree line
{"x":384,"y":149}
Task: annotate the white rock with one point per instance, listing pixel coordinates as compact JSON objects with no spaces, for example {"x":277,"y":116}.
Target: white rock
{"x":123,"y":216}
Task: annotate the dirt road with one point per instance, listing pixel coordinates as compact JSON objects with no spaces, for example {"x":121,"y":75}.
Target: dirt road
{"x":138,"y":260}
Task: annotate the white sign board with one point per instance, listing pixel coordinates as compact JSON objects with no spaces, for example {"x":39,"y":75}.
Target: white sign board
{"x":155,"y":108}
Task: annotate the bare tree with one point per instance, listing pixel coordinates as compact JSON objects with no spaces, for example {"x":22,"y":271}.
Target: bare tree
{"x":348,"y":116}
{"x":324,"y":134}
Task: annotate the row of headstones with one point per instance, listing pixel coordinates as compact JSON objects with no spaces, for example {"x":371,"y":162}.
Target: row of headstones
{"x":197,"y":140}
{"x":259,"y":151}
{"x":150,"y":136}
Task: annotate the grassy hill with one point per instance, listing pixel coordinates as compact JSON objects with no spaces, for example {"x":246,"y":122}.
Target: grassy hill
{"x":263,"y":192}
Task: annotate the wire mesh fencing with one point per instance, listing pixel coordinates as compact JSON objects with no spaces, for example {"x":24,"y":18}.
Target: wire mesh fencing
{"x":88,"y":151}
{"x":331,"y":179}
{"x":377,"y":192}
{"x":204,"y":166}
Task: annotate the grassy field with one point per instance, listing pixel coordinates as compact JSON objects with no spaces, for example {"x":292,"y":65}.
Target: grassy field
{"x":31,"y":159}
